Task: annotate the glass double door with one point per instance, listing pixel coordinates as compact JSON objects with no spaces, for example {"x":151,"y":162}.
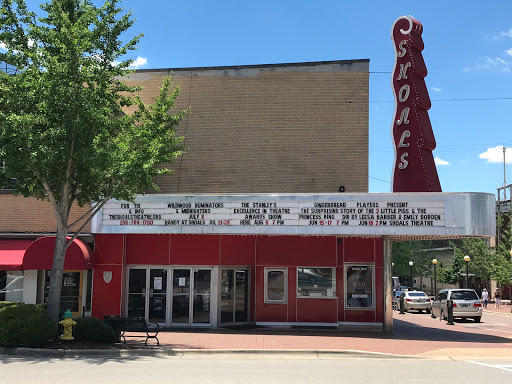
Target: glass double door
{"x":191,"y":294}
{"x":184,"y":300}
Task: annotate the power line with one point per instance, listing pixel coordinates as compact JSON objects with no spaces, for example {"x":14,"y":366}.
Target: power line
{"x":375,"y":178}
{"x":453,"y":99}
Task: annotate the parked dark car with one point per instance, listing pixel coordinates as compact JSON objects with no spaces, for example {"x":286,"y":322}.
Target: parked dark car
{"x":395,"y":299}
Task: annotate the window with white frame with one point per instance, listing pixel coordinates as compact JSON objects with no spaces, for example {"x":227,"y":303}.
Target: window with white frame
{"x":316,"y":282}
{"x":9,"y":185}
{"x":359,"y":286}
{"x":11,"y":286}
{"x":276,"y":287}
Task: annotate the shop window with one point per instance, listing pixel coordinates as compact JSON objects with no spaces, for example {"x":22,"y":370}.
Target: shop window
{"x":3,"y":283}
{"x":359,"y":286}
{"x":8,"y":187}
{"x":11,"y":286}
{"x":316,"y":282}
{"x":276,"y":291}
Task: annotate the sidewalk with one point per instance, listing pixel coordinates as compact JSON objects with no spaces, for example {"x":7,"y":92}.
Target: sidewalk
{"x":414,"y":336}
{"x":505,"y":308}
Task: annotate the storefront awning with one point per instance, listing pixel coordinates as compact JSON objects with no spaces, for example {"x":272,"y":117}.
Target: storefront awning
{"x":11,"y":254}
{"x":38,"y":254}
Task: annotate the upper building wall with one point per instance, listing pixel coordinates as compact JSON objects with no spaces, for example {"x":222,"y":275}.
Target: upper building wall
{"x":29,"y":215}
{"x":285,"y":128}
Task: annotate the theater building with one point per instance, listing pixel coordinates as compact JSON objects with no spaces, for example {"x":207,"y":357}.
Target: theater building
{"x":281,"y":259}
{"x":267,"y":218}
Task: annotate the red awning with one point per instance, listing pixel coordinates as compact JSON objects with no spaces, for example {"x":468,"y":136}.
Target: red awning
{"x":11,"y":254}
{"x":39,"y":255}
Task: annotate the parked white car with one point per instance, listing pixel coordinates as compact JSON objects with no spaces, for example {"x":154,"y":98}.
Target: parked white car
{"x":415,"y":301}
{"x":466,"y":304}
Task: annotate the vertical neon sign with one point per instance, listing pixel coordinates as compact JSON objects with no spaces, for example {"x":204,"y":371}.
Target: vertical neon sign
{"x":414,"y":169}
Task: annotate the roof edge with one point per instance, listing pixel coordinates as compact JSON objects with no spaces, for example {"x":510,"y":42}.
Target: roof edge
{"x":275,"y":65}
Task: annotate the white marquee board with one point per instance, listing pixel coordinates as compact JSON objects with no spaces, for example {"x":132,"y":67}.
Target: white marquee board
{"x":440,"y":214}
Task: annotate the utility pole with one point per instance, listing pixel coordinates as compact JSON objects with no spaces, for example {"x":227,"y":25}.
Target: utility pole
{"x":504,"y":172}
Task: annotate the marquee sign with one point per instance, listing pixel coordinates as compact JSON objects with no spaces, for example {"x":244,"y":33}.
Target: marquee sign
{"x":414,"y":169}
{"x":356,"y":214}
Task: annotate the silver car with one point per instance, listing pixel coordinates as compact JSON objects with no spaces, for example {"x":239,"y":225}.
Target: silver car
{"x":416,"y":301}
{"x":466,"y":304}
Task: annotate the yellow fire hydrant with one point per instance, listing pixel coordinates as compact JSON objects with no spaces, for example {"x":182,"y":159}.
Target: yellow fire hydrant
{"x":68,"y":323}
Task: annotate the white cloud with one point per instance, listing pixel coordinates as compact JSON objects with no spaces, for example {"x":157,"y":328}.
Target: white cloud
{"x":440,"y":161}
{"x":509,"y":52}
{"x":502,"y":35}
{"x":30,"y":44}
{"x":435,"y":89}
{"x":506,"y":33}
{"x":487,"y":63}
{"x":139,"y":62}
{"x":495,"y":155}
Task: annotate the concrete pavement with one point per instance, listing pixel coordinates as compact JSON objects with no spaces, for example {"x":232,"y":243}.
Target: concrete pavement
{"x":415,"y":335}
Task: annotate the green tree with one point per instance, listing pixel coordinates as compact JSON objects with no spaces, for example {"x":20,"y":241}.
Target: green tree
{"x":63,"y":134}
{"x":403,"y":253}
{"x":504,"y":223}
{"x":480,"y":265}
{"x":423,"y":263}
{"x":502,"y":269}
{"x":502,"y":263}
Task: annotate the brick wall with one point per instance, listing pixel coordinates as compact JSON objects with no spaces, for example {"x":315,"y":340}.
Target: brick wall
{"x":269,"y":129}
{"x":28,"y":215}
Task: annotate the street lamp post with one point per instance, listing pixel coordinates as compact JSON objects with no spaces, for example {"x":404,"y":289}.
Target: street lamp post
{"x":410,"y":265}
{"x":466,"y":259}
{"x":435,"y":277}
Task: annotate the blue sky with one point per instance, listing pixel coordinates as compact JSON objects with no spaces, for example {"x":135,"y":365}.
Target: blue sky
{"x":468,"y":53}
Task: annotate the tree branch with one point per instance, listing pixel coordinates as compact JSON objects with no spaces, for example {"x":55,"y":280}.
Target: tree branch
{"x":94,"y":212}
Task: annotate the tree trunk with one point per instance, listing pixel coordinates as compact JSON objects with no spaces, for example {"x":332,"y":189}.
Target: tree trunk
{"x":56,"y":278}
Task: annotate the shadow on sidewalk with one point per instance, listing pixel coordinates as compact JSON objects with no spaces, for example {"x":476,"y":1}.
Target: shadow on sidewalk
{"x":403,"y":330}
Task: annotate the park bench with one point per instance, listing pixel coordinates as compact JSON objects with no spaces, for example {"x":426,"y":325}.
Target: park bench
{"x":133,"y":324}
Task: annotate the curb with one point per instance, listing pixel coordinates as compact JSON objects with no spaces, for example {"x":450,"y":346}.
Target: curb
{"x":180,"y":353}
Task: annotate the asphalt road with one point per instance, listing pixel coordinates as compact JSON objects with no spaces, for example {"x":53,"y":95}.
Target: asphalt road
{"x":252,"y":369}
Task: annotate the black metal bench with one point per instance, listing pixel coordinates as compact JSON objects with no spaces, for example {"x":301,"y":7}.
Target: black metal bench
{"x":133,"y":324}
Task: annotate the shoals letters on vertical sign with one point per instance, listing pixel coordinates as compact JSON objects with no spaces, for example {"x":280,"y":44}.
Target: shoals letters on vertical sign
{"x":414,"y":169}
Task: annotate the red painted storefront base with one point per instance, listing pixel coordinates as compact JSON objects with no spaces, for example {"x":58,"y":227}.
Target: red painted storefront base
{"x":113,"y":253}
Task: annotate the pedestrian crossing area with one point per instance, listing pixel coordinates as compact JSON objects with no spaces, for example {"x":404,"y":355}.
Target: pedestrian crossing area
{"x":503,"y":367}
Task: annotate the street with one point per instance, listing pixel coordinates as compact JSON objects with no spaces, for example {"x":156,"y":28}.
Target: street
{"x":253,"y":369}
{"x":421,"y":350}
